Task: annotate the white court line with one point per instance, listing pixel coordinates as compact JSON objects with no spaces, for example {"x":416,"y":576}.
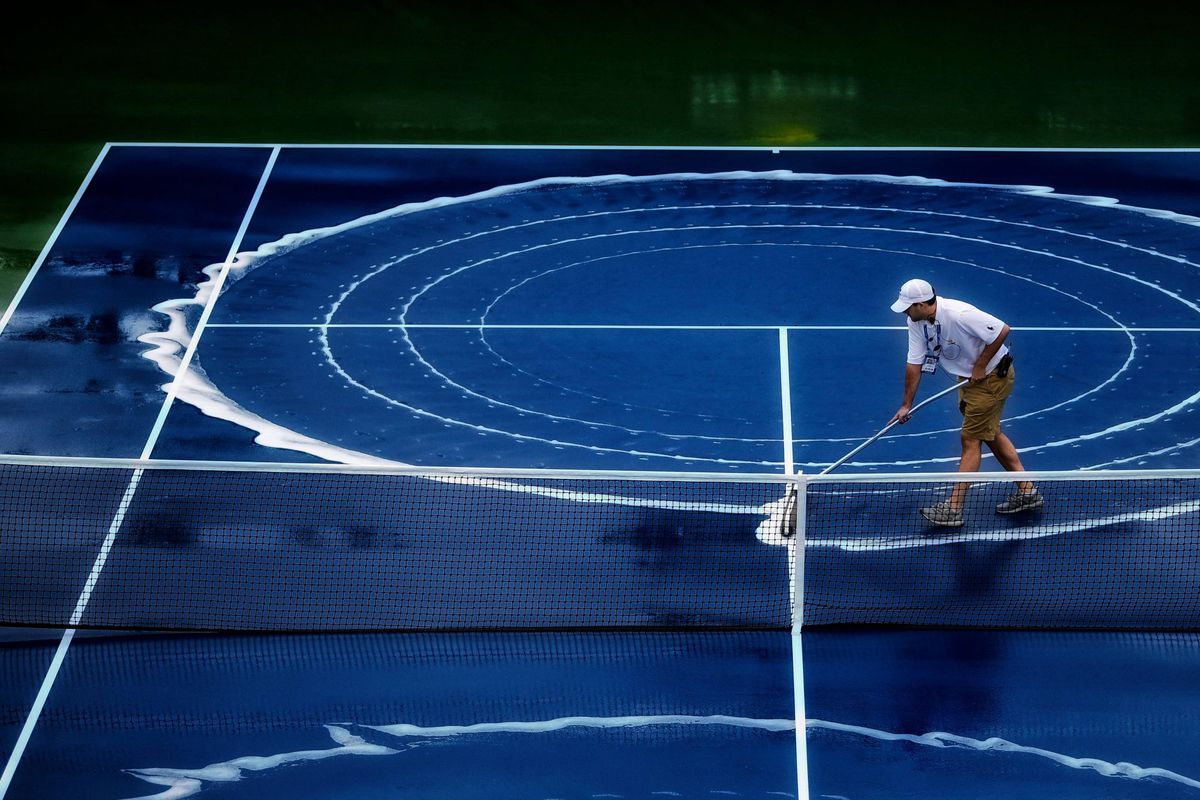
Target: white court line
{"x":602,"y":327}
{"x":35,"y":712}
{"x":801,"y":717}
{"x":39,"y":701}
{"x":62,"y":223}
{"x":118,"y":520}
{"x":697,"y":148}
{"x":218,"y":282}
{"x":785,"y":389}
{"x":114,"y":527}
{"x":494,"y":326}
{"x":513,"y":473}
{"x":323,"y":331}
{"x":588,"y":239}
{"x":797,"y":661}
{"x":796,"y":571}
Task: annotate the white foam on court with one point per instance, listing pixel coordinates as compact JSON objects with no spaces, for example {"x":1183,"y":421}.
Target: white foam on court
{"x":199,"y":391}
{"x":561,"y":723}
{"x":183,"y":783}
{"x":778,"y":529}
{"x":1109,"y":769}
{"x":213,"y":402}
{"x":196,"y":389}
{"x":1175,"y":448}
{"x":1040,"y":530}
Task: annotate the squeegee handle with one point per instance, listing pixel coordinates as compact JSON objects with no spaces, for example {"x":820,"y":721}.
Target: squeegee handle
{"x":887,"y":428}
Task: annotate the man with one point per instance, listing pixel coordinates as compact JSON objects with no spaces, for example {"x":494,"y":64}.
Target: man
{"x":969,"y":344}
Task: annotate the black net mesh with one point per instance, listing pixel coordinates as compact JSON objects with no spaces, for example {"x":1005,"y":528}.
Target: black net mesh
{"x":183,"y":549}
{"x":1110,"y":553}
{"x":174,"y":548}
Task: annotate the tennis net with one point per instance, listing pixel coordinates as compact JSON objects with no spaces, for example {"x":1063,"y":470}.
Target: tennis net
{"x":1118,"y":550}
{"x":305,"y":547}
{"x":157,"y":545}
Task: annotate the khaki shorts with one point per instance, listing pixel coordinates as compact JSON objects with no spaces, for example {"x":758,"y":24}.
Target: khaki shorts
{"x":982,"y":403}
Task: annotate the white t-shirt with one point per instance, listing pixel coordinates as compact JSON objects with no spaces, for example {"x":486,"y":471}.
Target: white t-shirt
{"x":962,"y":330}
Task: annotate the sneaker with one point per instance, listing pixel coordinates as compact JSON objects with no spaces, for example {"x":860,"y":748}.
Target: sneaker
{"x":943,"y":515}
{"x":1018,"y":501}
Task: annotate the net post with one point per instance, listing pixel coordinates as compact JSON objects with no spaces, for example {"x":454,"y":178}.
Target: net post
{"x":800,"y":487}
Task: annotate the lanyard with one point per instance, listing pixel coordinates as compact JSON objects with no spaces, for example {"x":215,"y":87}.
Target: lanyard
{"x":933,"y":348}
{"x":935,"y":340}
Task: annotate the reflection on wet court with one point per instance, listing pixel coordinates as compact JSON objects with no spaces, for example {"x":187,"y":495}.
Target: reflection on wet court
{"x":456,"y":472}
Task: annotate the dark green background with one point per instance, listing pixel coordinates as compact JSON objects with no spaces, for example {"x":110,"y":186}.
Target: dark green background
{"x":749,"y":73}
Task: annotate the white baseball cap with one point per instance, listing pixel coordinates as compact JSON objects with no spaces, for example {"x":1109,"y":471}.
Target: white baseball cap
{"x":914,"y":291}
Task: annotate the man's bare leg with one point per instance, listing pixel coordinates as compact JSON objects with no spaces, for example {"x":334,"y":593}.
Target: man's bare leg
{"x":1006,"y":453}
{"x":972,"y":455}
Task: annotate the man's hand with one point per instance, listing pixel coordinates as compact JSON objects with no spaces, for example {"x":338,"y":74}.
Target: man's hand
{"x":979,"y":371}
{"x":901,"y":416}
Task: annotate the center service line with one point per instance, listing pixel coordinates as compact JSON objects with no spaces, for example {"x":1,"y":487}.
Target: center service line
{"x":785,"y":388}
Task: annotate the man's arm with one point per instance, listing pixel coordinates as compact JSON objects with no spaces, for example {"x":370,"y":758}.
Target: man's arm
{"x":912,"y":379}
{"x":979,"y":371}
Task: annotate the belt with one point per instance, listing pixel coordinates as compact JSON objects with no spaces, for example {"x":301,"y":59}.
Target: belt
{"x":1001,"y":370}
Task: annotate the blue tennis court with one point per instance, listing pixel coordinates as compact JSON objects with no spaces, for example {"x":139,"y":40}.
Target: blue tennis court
{"x":658,"y":311}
